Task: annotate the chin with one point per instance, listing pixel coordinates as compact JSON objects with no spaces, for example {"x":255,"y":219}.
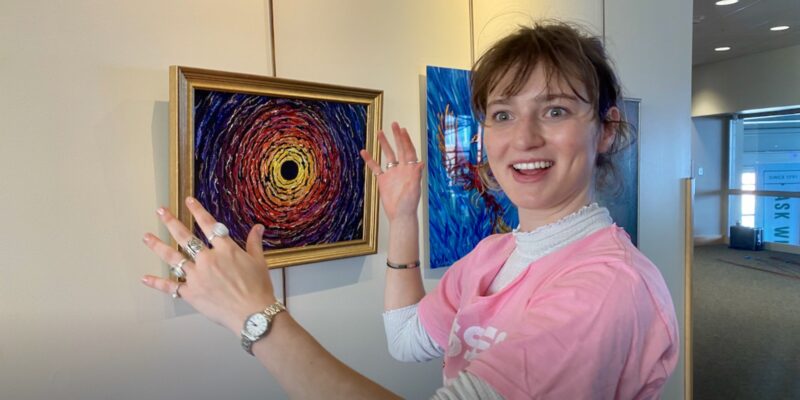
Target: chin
{"x":528,"y":202}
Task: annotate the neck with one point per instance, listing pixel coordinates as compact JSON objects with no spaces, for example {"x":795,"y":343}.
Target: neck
{"x":531,"y":219}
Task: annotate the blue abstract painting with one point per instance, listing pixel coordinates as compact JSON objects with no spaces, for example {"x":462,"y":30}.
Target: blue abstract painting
{"x":460,"y":208}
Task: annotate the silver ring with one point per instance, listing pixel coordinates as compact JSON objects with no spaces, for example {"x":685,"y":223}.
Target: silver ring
{"x":175,"y":293}
{"x":219,"y":230}
{"x":194,"y":246}
{"x":391,"y":164}
{"x":413,"y":162}
{"x":378,"y":174}
{"x":177,"y":269}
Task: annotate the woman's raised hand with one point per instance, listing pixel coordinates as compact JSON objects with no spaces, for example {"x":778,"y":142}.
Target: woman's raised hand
{"x":399,"y":184}
{"x":226,"y":283}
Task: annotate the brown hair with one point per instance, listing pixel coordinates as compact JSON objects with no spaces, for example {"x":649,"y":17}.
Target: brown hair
{"x":565,"y":53}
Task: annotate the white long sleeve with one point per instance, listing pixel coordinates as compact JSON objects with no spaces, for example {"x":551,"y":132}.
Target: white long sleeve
{"x":467,"y":386}
{"x":407,"y":339}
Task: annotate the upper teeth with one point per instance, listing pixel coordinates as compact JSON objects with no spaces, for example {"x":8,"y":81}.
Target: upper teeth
{"x":534,"y":165}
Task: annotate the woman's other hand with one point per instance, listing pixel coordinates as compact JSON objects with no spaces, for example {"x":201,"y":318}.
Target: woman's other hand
{"x":398,"y":184}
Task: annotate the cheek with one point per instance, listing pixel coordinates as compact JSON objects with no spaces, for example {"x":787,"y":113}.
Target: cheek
{"x":583,"y":146}
{"x":490,"y":146}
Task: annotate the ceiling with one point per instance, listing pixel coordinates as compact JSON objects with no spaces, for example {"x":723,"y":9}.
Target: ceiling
{"x":744,"y":27}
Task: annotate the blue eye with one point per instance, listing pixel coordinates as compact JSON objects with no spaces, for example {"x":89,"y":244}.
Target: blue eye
{"x":501,"y":116}
{"x":556,"y":112}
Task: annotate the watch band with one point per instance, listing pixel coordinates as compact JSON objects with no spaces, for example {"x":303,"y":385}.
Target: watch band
{"x":269,"y":312}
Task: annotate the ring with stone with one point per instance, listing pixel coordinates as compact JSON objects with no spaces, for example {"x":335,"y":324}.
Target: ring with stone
{"x":391,"y":164}
{"x":175,"y":293}
{"x":194,"y":246}
{"x":177,"y":269}
{"x":219,"y":230}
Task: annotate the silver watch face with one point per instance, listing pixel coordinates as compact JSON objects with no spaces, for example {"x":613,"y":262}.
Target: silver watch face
{"x":256,"y":325}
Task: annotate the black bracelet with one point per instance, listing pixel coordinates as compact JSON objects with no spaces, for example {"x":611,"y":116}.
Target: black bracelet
{"x":412,"y":265}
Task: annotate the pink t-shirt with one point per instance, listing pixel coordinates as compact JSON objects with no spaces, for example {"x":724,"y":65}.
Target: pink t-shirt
{"x":593,"y":320}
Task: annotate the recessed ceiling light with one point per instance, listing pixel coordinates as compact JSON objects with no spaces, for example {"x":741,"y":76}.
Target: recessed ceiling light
{"x":779,"y":28}
{"x":726,"y":2}
{"x":723,"y":48}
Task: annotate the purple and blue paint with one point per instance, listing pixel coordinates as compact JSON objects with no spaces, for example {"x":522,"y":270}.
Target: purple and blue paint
{"x":289,"y":164}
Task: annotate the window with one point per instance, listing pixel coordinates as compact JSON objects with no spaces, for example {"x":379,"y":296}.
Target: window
{"x":765,"y":175}
{"x":748,"y":200}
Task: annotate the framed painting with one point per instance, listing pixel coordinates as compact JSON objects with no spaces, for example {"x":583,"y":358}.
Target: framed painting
{"x":623,"y":203}
{"x":278,"y":152}
{"x":461,"y":210}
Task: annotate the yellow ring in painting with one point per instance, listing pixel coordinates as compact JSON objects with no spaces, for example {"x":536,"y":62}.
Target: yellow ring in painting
{"x":288,"y":192}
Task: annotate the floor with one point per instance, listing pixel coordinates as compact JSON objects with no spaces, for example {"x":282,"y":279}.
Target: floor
{"x":746,"y":319}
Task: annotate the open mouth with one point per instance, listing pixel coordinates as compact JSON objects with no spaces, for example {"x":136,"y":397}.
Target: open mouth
{"x":532,"y":167}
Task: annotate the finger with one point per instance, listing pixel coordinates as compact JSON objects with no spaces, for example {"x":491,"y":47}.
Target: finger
{"x":166,"y":252}
{"x":164,"y":285}
{"x":409,"y":151}
{"x":371,"y":164}
{"x":398,"y":133}
{"x":176,"y":228}
{"x":205,"y":220}
{"x":386,"y":147}
{"x":255,"y":241}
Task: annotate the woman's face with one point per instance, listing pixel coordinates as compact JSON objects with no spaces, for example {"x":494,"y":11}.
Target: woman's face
{"x":542,"y":144}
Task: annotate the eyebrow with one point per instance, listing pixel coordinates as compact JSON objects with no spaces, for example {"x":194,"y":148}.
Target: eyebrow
{"x":542,"y":98}
{"x":554,"y":96}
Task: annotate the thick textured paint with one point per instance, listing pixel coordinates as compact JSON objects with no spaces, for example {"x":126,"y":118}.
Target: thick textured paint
{"x":461,"y":209}
{"x":243,"y":141}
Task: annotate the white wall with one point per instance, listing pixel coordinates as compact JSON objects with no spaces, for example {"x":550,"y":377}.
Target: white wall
{"x":494,"y":19}
{"x":84,"y":165}
{"x":709,"y":144}
{"x":651,"y":44}
{"x":756,"y":81}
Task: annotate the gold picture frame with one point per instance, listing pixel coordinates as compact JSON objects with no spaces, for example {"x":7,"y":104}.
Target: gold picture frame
{"x":283,"y":153}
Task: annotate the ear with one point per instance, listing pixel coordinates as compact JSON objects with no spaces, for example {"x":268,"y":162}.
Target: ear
{"x":608,"y":130}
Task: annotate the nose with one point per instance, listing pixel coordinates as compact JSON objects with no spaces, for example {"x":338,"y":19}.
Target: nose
{"x":527,"y":134}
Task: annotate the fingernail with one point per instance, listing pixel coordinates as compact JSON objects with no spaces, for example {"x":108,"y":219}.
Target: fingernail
{"x":190,"y":200}
{"x":144,"y":280}
{"x":145,"y":239}
{"x":260,"y":229}
{"x":161,"y":211}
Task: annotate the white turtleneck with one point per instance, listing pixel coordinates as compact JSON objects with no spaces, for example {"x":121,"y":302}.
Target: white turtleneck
{"x":546,"y":239}
{"x":407,"y":338}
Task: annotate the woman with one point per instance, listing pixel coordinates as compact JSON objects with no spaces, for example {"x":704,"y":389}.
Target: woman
{"x":565,"y":307}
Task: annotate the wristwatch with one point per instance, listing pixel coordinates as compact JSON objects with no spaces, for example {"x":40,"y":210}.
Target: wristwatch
{"x":257,"y":325}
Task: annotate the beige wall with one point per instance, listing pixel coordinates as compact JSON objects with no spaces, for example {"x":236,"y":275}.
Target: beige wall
{"x":756,"y":81}
{"x":84,"y":165}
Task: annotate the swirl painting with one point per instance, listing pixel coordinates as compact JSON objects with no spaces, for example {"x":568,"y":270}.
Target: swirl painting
{"x":283,"y":154}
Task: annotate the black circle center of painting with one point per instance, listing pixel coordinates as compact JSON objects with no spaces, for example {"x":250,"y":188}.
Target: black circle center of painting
{"x":289,"y":170}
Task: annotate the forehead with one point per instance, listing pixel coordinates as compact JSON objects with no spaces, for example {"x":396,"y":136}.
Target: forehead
{"x":542,"y":79}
